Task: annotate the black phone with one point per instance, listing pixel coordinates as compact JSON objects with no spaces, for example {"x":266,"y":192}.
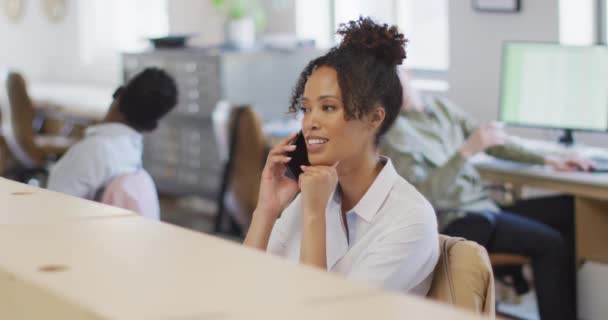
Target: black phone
{"x":299,"y":157}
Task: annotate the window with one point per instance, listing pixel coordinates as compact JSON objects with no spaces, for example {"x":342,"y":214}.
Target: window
{"x":577,"y":22}
{"x":313,"y":21}
{"x":424,"y":23}
{"x":109,"y":27}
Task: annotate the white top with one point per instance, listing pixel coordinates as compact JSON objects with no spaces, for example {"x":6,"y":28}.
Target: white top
{"x":392,"y":240}
{"x":107,"y":151}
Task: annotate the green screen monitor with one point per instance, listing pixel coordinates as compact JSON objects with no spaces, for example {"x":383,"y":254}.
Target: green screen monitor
{"x":555,"y":86}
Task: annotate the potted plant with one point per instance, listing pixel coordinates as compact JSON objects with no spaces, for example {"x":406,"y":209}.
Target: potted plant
{"x":242,"y":19}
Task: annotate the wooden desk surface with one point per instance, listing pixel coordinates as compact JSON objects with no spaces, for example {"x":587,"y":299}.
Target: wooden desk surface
{"x":384,"y":306}
{"x":133,"y":268}
{"x":591,"y":199}
{"x":593,"y":185}
{"x":22,"y":203}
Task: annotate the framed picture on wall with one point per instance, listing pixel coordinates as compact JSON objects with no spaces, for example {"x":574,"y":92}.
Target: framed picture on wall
{"x":497,"y":5}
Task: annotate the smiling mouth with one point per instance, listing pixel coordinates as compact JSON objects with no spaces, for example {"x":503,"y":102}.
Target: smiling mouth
{"x":316,"y":141}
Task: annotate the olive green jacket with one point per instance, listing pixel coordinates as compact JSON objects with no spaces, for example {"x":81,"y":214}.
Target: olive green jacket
{"x":424,"y":147}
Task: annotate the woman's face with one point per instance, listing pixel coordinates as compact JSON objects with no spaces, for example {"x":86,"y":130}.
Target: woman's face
{"x":329,"y":136}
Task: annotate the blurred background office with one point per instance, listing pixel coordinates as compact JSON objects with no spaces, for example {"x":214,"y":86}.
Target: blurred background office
{"x":235,"y":63}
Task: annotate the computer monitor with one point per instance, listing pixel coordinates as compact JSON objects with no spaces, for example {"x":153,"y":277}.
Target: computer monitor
{"x":555,"y":86}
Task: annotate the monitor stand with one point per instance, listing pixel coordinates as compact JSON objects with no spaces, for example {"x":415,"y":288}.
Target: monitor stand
{"x":567,"y":139}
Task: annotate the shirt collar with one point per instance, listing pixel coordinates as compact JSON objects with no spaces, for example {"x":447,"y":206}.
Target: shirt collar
{"x":377,"y":193}
{"x":112,"y":129}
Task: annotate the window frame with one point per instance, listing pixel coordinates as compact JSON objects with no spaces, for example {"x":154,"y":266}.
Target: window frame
{"x":602,"y":22}
{"x":419,"y":73}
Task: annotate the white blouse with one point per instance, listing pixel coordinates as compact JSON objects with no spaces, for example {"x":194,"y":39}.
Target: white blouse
{"x":392,"y":240}
{"x":107,"y":151}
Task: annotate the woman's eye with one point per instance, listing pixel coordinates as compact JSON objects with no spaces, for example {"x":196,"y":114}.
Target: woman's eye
{"x":329,"y":108}
{"x":302,"y":109}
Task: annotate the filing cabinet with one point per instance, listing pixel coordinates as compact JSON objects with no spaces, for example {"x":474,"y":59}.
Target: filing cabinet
{"x":181,"y":154}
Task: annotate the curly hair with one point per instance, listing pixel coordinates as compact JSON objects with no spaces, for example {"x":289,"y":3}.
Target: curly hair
{"x":366,"y":62}
{"x":147,"y":97}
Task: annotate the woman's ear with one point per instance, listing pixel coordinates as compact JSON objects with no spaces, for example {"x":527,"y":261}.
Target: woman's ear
{"x":377,"y":117}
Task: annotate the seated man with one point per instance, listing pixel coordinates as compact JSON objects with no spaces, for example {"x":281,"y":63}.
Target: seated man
{"x":431,"y":143}
{"x":114,"y":147}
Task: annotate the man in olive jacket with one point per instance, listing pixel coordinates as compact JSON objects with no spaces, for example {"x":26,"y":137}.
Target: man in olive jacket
{"x":431,"y":144}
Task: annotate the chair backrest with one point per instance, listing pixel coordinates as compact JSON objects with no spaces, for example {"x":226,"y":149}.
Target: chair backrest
{"x":463,"y":276}
{"x":17,"y":122}
{"x":136,"y":192}
{"x":241,"y":142}
{"x":248,"y":158}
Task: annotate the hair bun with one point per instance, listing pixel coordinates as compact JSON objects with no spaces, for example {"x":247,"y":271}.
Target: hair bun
{"x":386,"y":42}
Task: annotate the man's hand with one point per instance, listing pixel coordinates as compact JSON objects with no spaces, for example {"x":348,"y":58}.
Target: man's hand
{"x":569,"y":163}
{"x":485,"y":136}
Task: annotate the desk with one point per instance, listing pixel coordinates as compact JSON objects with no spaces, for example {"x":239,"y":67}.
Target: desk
{"x":132,"y":268}
{"x":73,"y":99}
{"x":382,"y":306}
{"x":24,"y":204}
{"x":591,"y":199}
{"x":128,"y":267}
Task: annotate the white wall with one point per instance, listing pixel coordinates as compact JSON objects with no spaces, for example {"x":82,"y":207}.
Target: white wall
{"x":280,"y":16}
{"x":51,"y":51}
{"x":196,"y":17}
{"x":476,"y":40}
{"x":200,"y":18}
{"x":46,"y":51}
{"x":39,"y":48}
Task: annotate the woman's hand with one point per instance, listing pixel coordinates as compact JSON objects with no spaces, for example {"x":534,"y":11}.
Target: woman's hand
{"x":276,"y":190}
{"x":317,"y":183}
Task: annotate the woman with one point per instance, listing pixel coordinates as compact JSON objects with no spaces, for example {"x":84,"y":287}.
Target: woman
{"x":354,"y":214}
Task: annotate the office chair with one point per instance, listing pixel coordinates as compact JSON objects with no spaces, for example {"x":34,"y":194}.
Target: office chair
{"x":241,"y":142}
{"x":134,"y":191}
{"x":32,"y":150}
{"x":463,"y":276}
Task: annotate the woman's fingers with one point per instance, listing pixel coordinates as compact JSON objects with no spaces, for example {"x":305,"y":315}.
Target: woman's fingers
{"x":279,"y":149}
{"x":279,"y":159}
{"x":287,"y":140}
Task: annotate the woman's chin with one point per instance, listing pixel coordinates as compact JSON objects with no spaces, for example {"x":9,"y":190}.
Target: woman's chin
{"x":318,"y":160}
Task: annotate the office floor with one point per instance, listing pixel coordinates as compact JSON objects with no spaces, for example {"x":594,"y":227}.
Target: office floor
{"x":190,"y":212}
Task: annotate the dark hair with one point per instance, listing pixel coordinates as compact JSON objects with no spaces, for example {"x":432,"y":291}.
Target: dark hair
{"x":366,"y":62}
{"x":146,"y":98}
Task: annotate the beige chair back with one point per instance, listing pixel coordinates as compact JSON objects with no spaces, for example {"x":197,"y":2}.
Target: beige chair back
{"x":241,"y":144}
{"x":463,"y":276}
{"x":17,"y":122}
{"x":248,"y":158}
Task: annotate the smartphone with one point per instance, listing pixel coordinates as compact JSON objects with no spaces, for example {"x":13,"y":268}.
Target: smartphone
{"x":299,"y":157}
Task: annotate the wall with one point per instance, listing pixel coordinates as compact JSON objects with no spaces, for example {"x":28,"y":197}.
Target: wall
{"x":196,"y":17}
{"x":475,"y":56}
{"x":476,"y":40}
{"x":39,"y":48}
{"x":200,"y":18}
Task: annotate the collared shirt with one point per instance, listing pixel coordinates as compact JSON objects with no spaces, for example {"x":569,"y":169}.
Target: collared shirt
{"x":392,"y":235}
{"x":425,"y":148}
{"x":107,"y":151}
